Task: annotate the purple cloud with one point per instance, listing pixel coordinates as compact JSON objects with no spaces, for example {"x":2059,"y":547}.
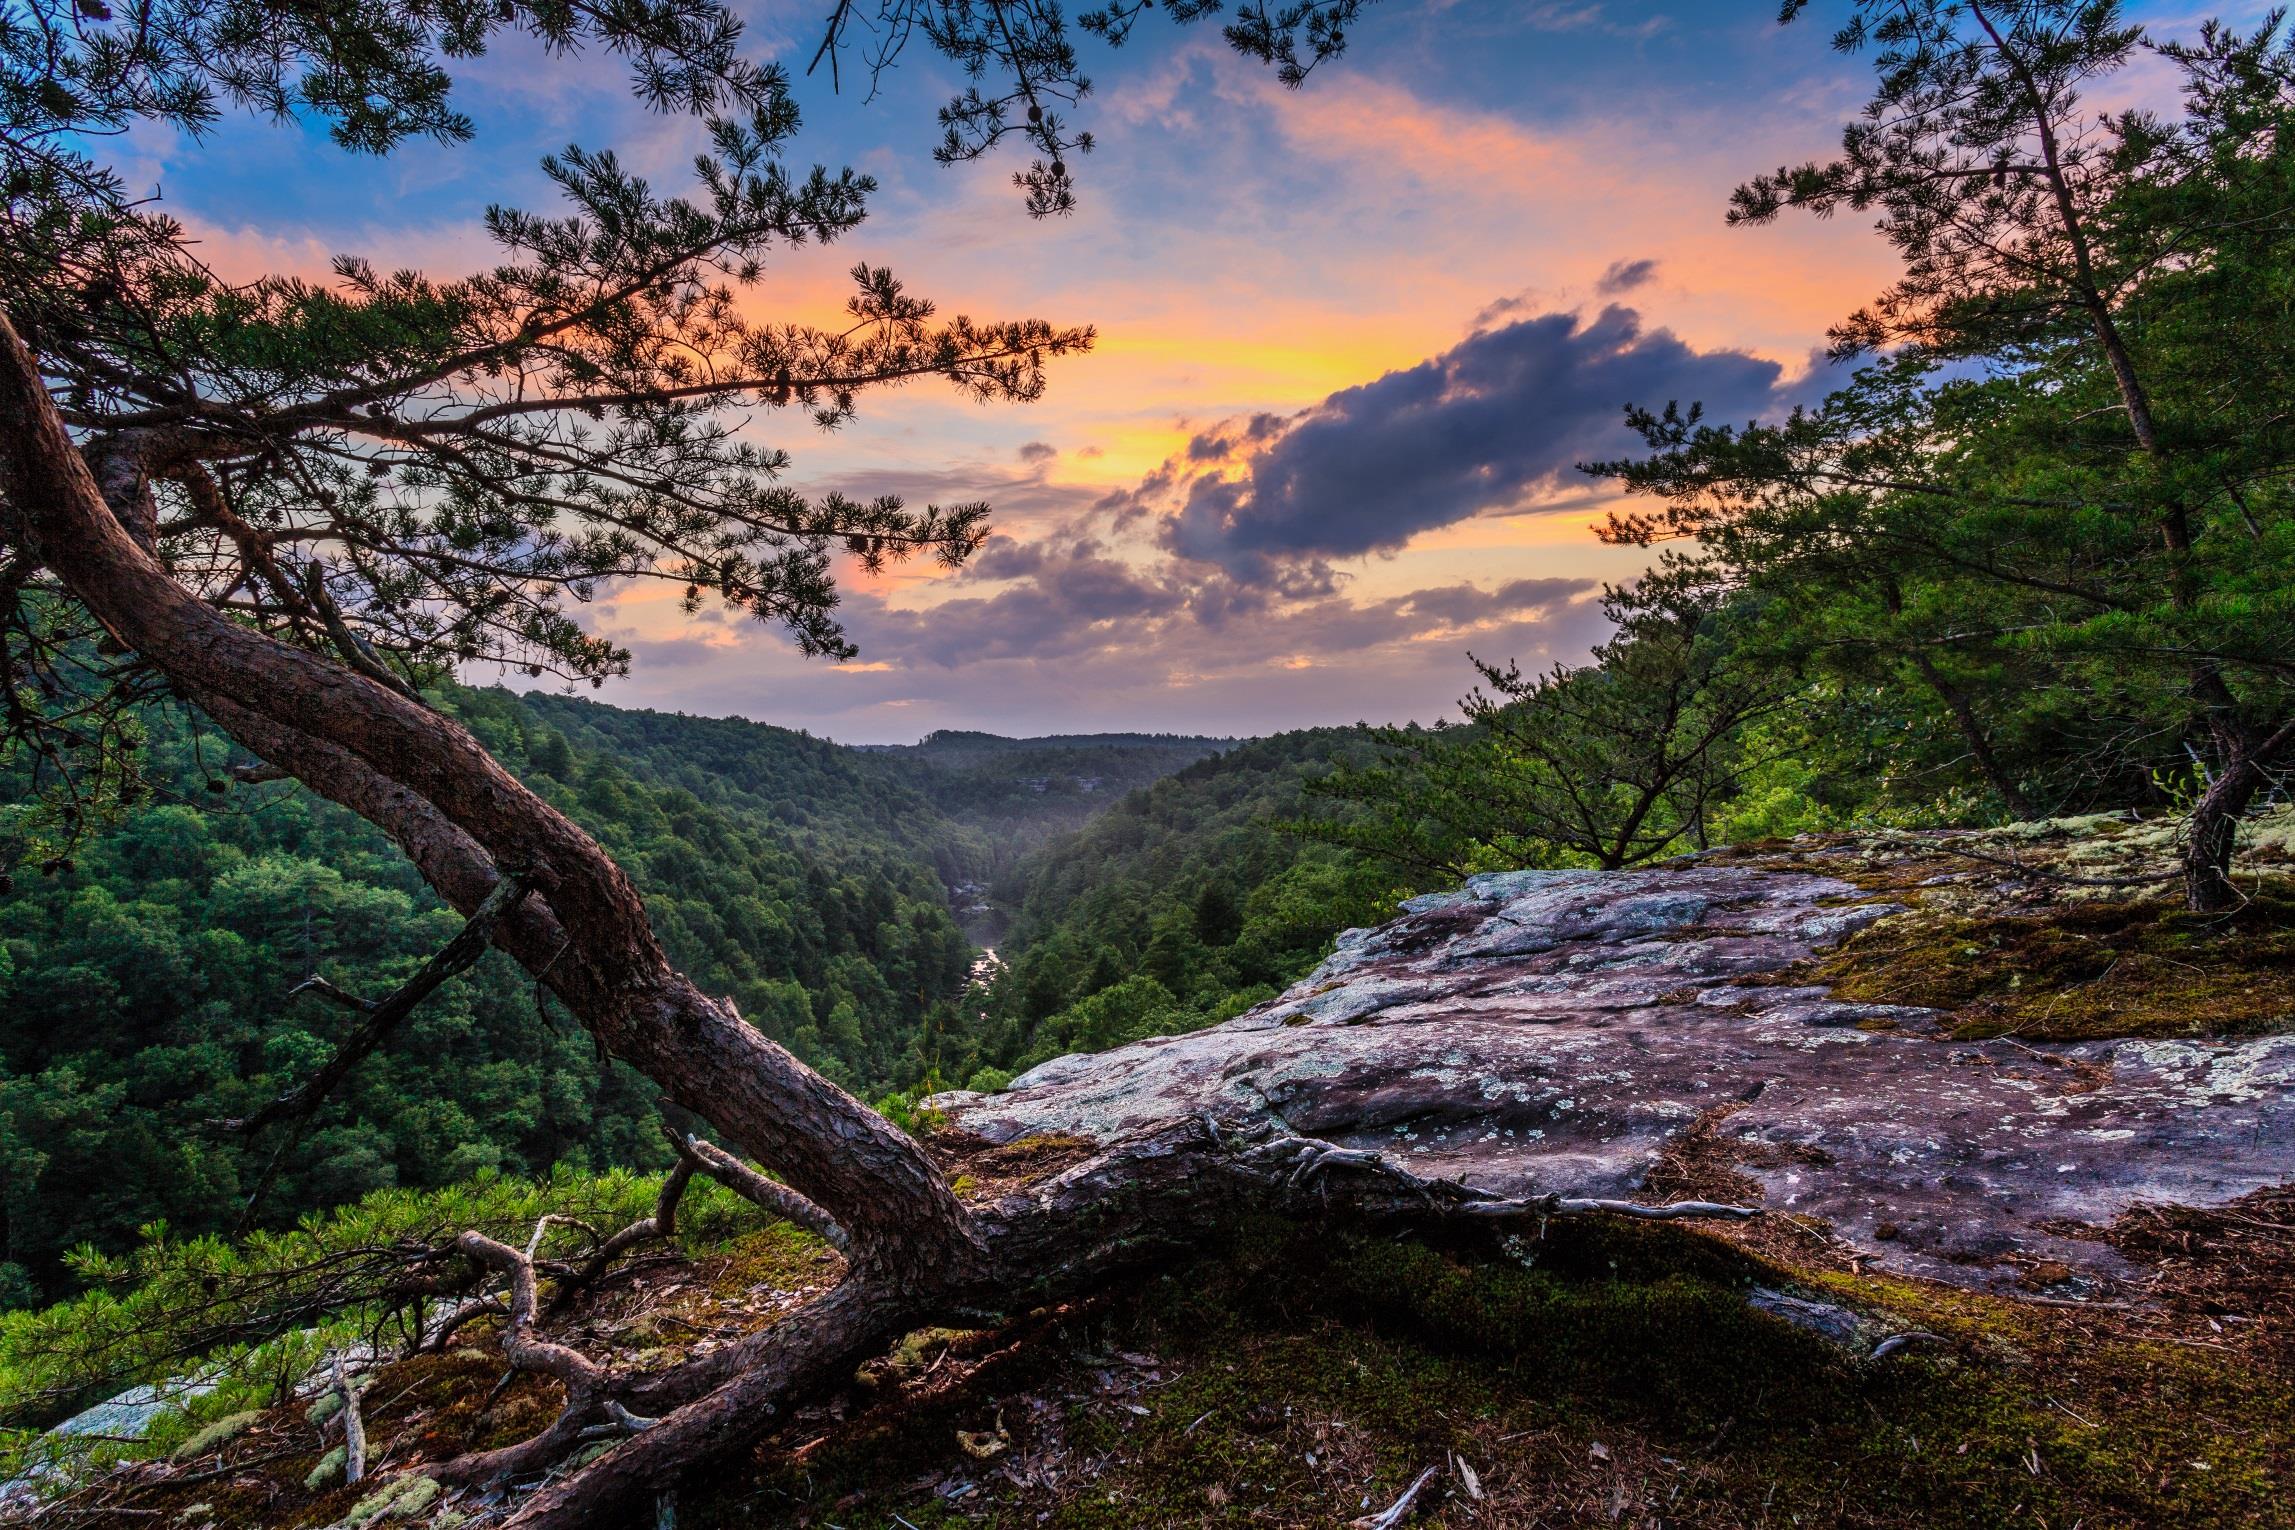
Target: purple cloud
{"x":1484,"y":426}
{"x":1625,"y":276}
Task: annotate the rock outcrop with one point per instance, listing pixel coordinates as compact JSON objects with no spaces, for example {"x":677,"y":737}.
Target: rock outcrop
{"x":1606,"y":1034}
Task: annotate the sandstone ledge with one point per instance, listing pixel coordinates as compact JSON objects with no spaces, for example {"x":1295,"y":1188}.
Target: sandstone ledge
{"x":1605,"y":1034}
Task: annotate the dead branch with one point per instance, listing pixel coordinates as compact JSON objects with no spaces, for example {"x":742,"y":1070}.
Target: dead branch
{"x":528,"y":1350}
{"x":693,"y":1156}
{"x":1578,"y":1205}
{"x":1897,"y":1341}
{"x":1398,"y":1511}
{"x":333,"y":993}
{"x":457,"y":956}
{"x":451,"y":1324}
{"x":769,"y":1194}
{"x":803,"y":1352}
{"x":661,"y":1224}
{"x":521,"y":1344}
{"x":1304,"y":1161}
{"x":354,"y":1427}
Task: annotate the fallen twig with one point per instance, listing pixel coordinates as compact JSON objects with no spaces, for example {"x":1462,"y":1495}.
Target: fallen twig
{"x":1395,"y":1513}
{"x":1897,"y":1341}
{"x":1569,"y":1205}
{"x":354,"y":1427}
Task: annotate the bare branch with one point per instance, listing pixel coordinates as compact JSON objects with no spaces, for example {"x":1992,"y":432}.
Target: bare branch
{"x":354,"y":1427}
{"x":457,"y":956}
{"x":769,"y":1194}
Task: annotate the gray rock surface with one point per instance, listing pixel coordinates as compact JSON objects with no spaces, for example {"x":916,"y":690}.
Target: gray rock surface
{"x":1554,"y":1032}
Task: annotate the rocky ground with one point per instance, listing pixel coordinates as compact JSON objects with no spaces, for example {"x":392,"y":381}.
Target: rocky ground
{"x":2013,"y":1125}
{"x":1585,"y":1034}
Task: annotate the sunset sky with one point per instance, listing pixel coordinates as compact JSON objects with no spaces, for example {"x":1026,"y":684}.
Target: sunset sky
{"x":1352,"y":340}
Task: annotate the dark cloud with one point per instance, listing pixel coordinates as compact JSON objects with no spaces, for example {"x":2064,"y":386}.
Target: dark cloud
{"x":1006,"y":558}
{"x":1484,"y":426}
{"x":1499,"y":308}
{"x":1625,"y":276}
{"x":1037,"y":451}
{"x":1227,"y":440}
{"x":1078,"y":604}
{"x":1061,"y":601}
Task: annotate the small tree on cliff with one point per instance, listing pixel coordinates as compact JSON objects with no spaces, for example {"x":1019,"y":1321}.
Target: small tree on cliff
{"x":1617,"y":762}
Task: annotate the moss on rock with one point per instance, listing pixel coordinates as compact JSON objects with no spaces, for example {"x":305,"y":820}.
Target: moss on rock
{"x":2083,"y":970}
{"x":215,"y":1436}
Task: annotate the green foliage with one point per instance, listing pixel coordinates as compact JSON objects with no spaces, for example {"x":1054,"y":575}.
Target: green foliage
{"x":414,"y":472}
{"x":2050,"y":530}
{"x":900,"y":1107}
{"x":1611,"y":763}
{"x":1180,"y":906}
{"x":248,"y":1318}
{"x":238,"y":1325}
{"x":146,"y":988}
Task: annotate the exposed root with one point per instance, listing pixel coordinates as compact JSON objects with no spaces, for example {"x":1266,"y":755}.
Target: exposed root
{"x":1310,"y":1160}
{"x":788,"y":1359}
{"x":1050,"y":1240}
{"x":598,"y":1399}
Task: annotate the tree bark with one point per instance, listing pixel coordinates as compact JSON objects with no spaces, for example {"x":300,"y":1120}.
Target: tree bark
{"x":2211,"y":834}
{"x":1972,"y":731}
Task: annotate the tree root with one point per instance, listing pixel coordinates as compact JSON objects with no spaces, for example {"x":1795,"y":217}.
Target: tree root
{"x":1170,"y":1186}
{"x":597,"y":1396}
{"x":1311,"y":1159}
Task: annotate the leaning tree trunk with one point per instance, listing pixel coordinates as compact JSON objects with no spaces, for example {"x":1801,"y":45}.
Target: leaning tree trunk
{"x":2212,"y":832}
{"x":429,"y":784}
{"x":1979,"y":742}
{"x":915,"y":1253}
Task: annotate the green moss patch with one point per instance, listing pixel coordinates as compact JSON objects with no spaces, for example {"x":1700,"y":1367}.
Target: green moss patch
{"x":215,"y":1436}
{"x":2082,"y":970}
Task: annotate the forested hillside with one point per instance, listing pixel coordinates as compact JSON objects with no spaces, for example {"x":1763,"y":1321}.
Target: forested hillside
{"x":148,"y":982}
{"x":145,"y":985}
{"x":1185,"y":903}
{"x":1018,"y":793}
{"x":820,"y":792}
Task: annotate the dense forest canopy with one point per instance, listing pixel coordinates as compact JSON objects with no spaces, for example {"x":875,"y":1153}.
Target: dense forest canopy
{"x":155,"y":989}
